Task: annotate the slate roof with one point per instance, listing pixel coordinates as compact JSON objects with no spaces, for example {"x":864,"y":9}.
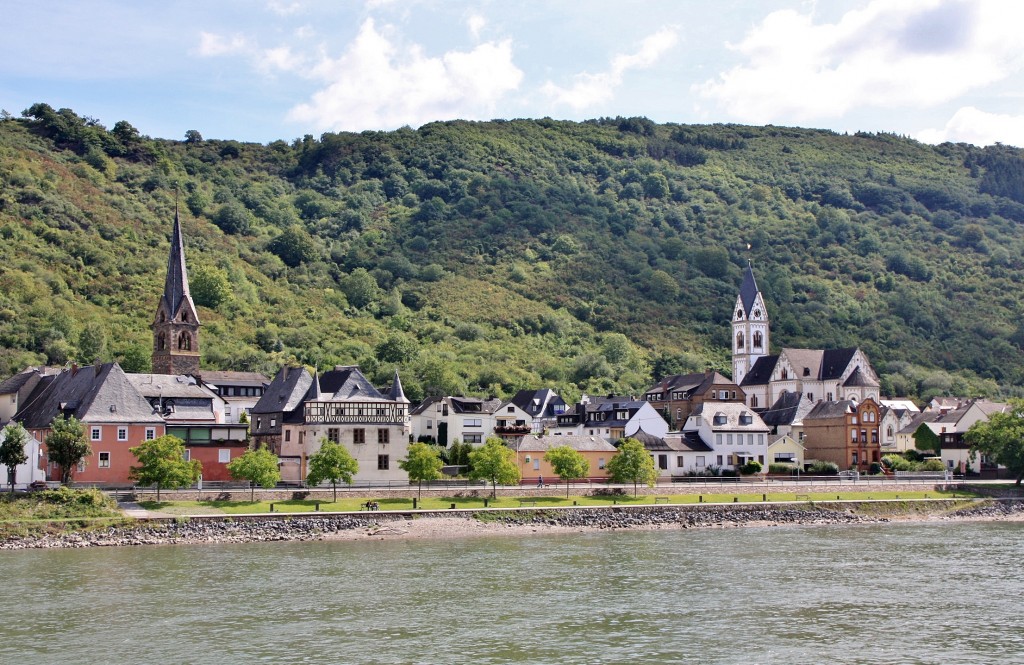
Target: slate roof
{"x":856,"y":378}
{"x":761,"y":372}
{"x":14,"y":384}
{"x":650,"y":441}
{"x":789,"y":408}
{"x":249,"y":379}
{"x":538,"y":443}
{"x":748,"y":290}
{"x":611,"y":405}
{"x":422,"y":406}
{"x":474,"y":404}
{"x":343,"y":383}
{"x":806,"y":363}
{"x":537,"y":402}
{"x":688,"y":442}
{"x":834,"y":409}
{"x":690,"y":384}
{"x":169,"y":385}
{"x":397,"y":393}
{"x":917,"y":421}
{"x":96,"y":394}
{"x":835,"y":361}
{"x":286,"y":392}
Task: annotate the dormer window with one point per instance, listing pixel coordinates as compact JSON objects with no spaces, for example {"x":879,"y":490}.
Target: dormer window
{"x":720,"y":419}
{"x":746,"y":419}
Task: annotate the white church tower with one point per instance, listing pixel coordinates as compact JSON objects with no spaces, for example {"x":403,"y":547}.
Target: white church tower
{"x":749,"y":327}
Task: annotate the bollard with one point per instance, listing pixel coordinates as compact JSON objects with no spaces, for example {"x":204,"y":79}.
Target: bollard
{"x":317,"y":509}
{"x":735,"y":499}
{"x":485,"y":503}
{"x":700,"y":498}
{"x":414,"y":503}
{"x":452,"y":507}
{"x":271,"y":507}
{"x":574,"y":503}
{"x":764,"y":497}
{"x":837,"y":497}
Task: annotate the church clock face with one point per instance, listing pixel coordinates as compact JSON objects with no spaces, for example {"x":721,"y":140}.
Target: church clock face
{"x":739,"y":314}
{"x":757,"y":313}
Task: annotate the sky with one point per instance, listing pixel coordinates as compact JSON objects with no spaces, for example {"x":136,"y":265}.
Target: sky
{"x":263,"y":70}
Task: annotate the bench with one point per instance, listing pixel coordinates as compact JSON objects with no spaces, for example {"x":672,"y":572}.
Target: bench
{"x":803,"y":497}
{"x":661,"y":499}
{"x":369,"y":505}
{"x":527,"y":502}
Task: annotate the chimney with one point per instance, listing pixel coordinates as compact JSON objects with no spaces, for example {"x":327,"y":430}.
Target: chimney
{"x":74,"y":368}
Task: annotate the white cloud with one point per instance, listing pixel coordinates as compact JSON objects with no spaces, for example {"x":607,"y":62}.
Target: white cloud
{"x":377,"y":84}
{"x":282,"y":8}
{"x":211,"y":45}
{"x":589,"y":89}
{"x":971,"y":125}
{"x":890,"y":53}
{"x":476,"y":23}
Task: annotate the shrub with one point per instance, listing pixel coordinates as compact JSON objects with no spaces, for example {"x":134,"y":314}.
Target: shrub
{"x":821,"y":468}
{"x":897,"y":463}
{"x":781,"y":469}
{"x":875,"y":469}
{"x":750,"y":468}
{"x":932,"y":465}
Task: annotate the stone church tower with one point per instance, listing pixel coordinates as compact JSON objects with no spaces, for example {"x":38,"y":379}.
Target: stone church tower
{"x":749,"y":327}
{"x":176,"y":325}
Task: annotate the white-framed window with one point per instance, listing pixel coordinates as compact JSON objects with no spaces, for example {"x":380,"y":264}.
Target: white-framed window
{"x":600,"y":462}
{"x":700,"y":461}
{"x":95,"y":433}
{"x":104,"y":462}
{"x":81,"y":467}
{"x":227,"y":412}
{"x":536,"y":464}
{"x":473,"y":438}
{"x":430,"y":423}
{"x":474,"y":422}
{"x":122,"y":433}
{"x":150,"y":433}
{"x":187,"y":455}
{"x":273,"y":422}
{"x":224,"y":455}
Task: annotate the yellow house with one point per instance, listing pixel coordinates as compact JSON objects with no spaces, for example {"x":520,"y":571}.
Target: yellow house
{"x":784,"y":449}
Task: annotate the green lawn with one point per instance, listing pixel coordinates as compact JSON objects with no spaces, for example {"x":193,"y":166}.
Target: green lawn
{"x":443,"y":503}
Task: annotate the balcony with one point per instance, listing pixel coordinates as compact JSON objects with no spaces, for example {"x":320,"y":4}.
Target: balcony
{"x":512,"y":430}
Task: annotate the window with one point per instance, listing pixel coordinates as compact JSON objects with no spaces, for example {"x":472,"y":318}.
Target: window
{"x":874,"y":436}
{"x":273,"y":422}
{"x":733,"y":393}
{"x":150,"y":433}
{"x":888,"y":431}
{"x":95,"y":433}
{"x":333,"y":434}
{"x":718,"y":439}
{"x":430,"y":423}
{"x":810,"y":396}
{"x":383,"y":462}
{"x":287,"y":435}
{"x":680,"y":461}
{"x":473,"y":438}
{"x":863,"y":436}
{"x":187,"y":455}
{"x":719,"y":460}
{"x":359,"y":435}
{"x":739,"y":340}
{"x":223,"y":455}
{"x":853,"y":457}
{"x":536,"y":464}
{"x":122,"y":433}
{"x":511,"y":409}
{"x":473,"y":422}
{"x":853,"y":435}
{"x":81,"y":467}
{"x":728,"y":439}
{"x":700,"y":461}
{"x":785,"y":457}
{"x":663,"y":462}
{"x":104,"y":461}
{"x":807,"y":371}
{"x":785,"y":374}
{"x":758,"y":340}
{"x":600,"y":462}
{"x":828,"y":397}
{"x":753,"y":401}
{"x":383,"y":436}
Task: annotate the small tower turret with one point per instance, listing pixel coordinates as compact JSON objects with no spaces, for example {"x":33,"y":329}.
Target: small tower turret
{"x":176,"y":325}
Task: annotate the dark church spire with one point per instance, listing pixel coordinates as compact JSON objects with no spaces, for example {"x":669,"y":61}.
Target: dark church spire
{"x":176,"y":326}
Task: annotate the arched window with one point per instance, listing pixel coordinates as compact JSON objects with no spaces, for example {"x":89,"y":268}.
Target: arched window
{"x":163,"y":317}
{"x":184,"y":317}
{"x":785,"y":374}
{"x":161,"y":341}
{"x":888,"y":432}
{"x":758,"y":339}
{"x":753,"y":400}
{"x":739,"y":340}
{"x":185,"y":342}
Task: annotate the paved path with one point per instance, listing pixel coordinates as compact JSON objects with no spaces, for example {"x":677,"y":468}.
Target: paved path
{"x":132,"y":509}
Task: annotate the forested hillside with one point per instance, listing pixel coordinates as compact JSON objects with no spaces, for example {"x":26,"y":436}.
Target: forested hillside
{"x":485,"y":257}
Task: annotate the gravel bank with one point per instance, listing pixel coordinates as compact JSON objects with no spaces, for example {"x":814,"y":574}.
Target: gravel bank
{"x":511,"y":522}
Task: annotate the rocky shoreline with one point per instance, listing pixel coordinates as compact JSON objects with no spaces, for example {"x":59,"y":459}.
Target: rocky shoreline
{"x":263,"y":528}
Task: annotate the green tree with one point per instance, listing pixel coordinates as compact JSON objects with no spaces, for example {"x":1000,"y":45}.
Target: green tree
{"x":332,"y":462}
{"x":926,"y":439}
{"x":1001,"y":438}
{"x":632,"y":464}
{"x":360,"y":288}
{"x":495,"y":462}
{"x":568,"y":463}
{"x":193,"y":136}
{"x":209,"y":285}
{"x":294,"y":246}
{"x":12,"y":449}
{"x":259,"y":467}
{"x":92,"y":341}
{"x":67,"y":446}
{"x":422,"y":463}
{"x":162,"y":463}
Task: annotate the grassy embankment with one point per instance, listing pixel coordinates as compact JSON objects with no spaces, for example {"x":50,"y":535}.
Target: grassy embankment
{"x":57,"y":511}
{"x":444,"y":503}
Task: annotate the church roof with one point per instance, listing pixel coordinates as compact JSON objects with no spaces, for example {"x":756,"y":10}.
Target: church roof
{"x":761,"y":372}
{"x":856,"y":378}
{"x":176,"y":283}
{"x":835,"y":361}
{"x":748,"y":290}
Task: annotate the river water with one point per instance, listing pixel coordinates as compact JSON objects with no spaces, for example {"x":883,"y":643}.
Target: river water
{"x":894,"y":593}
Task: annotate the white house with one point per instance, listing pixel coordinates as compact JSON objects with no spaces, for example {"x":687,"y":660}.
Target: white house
{"x":445,"y":419}
{"x":28,"y":471}
{"x":733,"y":433}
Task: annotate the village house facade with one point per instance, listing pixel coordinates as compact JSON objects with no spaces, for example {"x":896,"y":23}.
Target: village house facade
{"x":844,"y":432}
{"x":675,"y":397}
